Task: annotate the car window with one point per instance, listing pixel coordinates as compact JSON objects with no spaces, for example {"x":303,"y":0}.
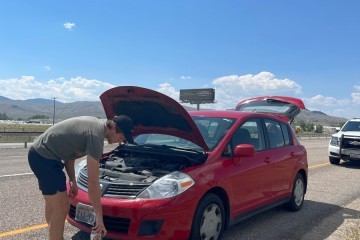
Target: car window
{"x":287,"y":134}
{"x":213,"y":129}
{"x":275,"y":133}
{"x":248,"y":133}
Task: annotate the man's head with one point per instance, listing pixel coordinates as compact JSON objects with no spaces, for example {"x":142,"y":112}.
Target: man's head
{"x":123,"y":126}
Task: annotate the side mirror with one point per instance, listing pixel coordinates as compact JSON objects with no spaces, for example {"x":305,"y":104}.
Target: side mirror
{"x":243,"y":150}
{"x":337,"y":129}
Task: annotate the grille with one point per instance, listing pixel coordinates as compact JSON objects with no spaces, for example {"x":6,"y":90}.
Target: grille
{"x":82,"y":180}
{"x":112,"y":224}
{"x":115,"y":190}
{"x":125,"y":190}
{"x":350,"y":142}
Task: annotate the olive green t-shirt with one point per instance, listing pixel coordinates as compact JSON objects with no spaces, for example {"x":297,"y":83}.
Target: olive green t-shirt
{"x":71,"y":139}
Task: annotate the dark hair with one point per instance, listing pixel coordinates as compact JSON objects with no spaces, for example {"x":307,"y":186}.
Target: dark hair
{"x":125,"y":125}
{"x":109,"y":123}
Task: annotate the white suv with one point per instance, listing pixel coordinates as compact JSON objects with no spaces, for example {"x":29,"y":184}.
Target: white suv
{"x":345,"y":144}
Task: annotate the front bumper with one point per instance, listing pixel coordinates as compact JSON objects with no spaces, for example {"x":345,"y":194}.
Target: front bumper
{"x":140,"y":218}
{"x":345,"y":153}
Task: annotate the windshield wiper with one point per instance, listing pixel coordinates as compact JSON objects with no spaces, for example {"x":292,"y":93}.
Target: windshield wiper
{"x":163,"y":146}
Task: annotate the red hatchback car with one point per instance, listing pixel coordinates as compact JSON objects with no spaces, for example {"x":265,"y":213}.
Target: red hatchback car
{"x":190,"y":175}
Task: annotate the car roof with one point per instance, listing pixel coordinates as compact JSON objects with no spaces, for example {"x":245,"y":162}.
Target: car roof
{"x":354,"y":120}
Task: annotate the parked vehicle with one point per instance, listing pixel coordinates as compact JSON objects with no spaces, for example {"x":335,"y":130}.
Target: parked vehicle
{"x":190,"y":175}
{"x":345,"y":144}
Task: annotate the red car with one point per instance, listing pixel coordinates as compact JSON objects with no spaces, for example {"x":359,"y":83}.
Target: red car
{"x":190,"y":175}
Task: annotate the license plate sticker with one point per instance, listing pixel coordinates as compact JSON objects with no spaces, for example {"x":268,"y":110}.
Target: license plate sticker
{"x":85,"y":213}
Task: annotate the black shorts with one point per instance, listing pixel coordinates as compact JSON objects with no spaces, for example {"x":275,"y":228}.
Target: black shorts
{"x":49,"y":173}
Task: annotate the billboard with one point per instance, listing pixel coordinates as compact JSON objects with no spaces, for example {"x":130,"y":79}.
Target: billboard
{"x":197,"y":96}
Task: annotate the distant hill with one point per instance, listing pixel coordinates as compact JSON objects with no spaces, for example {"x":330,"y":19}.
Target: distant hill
{"x":27,"y":108}
{"x":318,"y":117}
{"x":4,"y":98}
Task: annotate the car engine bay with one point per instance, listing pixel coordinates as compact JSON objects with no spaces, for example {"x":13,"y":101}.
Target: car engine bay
{"x":127,"y":170}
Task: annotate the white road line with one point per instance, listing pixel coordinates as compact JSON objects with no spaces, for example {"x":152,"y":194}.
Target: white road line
{"x":16,"y":175}
{"x":13,"y":156}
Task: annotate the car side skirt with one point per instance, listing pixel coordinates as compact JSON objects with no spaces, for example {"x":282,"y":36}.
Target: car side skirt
{"x":249,"y":214}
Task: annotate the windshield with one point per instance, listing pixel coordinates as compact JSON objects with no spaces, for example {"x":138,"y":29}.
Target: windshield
{"x":351,"y":126}
{"x":212,"y":129}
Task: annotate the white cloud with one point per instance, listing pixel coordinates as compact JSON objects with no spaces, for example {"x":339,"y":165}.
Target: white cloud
{"x":74,"y":89}
{"x":331,"y":106}
{"x":69,"y":25}
{"x":185,"y":77}
{"x":356,"y":98}
{"x":356,"y":95}
{"x":261,"y":83}
{"x":357,"y":87}
{"x":346,"y":107}
{"x":322,"y":101}
{"x":47,"y":68}
{"x":229,"y":90}
{"x":169,"y":90}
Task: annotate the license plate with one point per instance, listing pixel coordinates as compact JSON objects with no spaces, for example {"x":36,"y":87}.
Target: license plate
{"x":85,"y":213}
{"x":355,"y":155}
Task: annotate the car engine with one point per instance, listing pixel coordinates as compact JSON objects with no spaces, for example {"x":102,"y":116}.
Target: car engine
{"x":127,"y":170}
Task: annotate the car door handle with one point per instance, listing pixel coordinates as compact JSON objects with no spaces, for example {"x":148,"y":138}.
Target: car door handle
{"x":267,"y":160}
{"x":292,"y":154}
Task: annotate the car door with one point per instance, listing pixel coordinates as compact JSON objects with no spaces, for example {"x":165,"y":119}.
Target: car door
{"x":251,"y":179}
{"x":281,"y":155}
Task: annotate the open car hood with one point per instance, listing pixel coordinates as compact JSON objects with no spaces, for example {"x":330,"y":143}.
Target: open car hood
{"x":286,"y":106}
{"x":151,"y":112}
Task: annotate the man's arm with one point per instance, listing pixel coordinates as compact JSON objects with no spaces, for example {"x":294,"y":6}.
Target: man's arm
{"x":94,"y":193}
{"x":70,"y":170}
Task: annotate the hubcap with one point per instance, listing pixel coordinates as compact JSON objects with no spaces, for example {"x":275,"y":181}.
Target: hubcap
{"x":299,"y":192}
{"x":211,"y":223}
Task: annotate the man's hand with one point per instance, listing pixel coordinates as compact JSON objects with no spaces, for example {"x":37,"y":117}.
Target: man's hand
{"x":99,"y":226}
{"x":73,"y":191}
{"x":95,"y":194}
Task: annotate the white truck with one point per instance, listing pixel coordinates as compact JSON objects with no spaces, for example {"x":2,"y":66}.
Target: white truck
{"x":345,"y":144}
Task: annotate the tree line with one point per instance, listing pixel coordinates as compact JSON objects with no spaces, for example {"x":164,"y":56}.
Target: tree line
{"x":3,"y":116}
{"x":312,"y":127}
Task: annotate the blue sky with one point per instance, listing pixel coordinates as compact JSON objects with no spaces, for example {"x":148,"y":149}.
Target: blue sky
{"x":75,"y":50}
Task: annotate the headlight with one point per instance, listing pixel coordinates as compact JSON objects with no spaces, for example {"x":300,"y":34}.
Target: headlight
{"x":335,"y":141}
{"x":78,"y":167}
{"x":168,"y":186}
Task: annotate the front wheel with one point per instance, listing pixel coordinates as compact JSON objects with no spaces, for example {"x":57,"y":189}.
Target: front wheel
{"x":209,"y":219}
{"x":333,"y":160}
{"x":297,"y":195}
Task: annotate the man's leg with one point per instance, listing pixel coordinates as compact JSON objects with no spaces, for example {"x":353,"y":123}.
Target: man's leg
{"x":56,"y":208}
{"x":47,"y":212}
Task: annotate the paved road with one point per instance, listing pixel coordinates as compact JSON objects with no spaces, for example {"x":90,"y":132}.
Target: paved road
{"x":332,"y":200}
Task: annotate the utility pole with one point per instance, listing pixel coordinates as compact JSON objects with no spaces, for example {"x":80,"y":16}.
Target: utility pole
{"x":54,"y":110}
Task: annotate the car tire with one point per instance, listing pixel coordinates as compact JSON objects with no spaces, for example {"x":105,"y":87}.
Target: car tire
{"x":297,"y":195}
{"x":209,"y":218}
{"x":333,"y":160}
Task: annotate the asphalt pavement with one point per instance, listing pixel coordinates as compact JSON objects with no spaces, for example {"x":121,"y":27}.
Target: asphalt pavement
{"x":324,"y":216}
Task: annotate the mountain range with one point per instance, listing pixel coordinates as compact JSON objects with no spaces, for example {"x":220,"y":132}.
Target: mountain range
{"x":25,"y":109}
